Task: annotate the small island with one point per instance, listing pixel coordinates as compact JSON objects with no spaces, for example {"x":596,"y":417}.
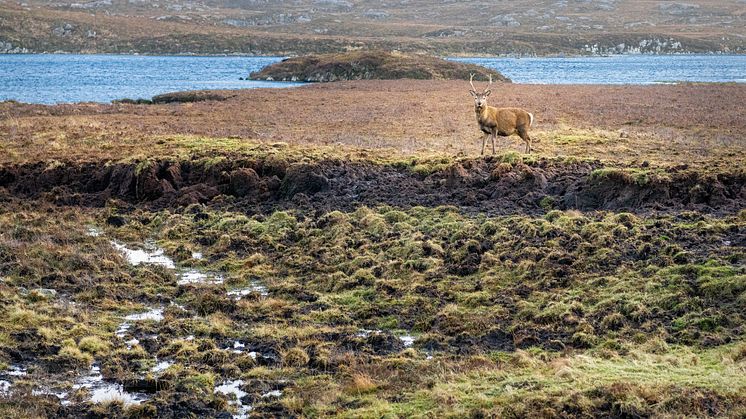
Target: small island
{"x":372,"y":65}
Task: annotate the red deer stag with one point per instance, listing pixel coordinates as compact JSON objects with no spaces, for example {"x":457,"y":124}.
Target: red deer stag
{"x":500,"y":121}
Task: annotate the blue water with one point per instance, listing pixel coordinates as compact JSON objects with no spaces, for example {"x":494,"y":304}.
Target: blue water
{"x":43,"y":78}
{"x":619,"y":69}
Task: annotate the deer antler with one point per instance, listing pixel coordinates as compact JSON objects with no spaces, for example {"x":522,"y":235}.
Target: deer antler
{"x":490,"y":80}
{"x":471,"y":78}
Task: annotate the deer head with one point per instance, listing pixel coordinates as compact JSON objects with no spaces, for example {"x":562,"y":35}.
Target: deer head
{"x":480,"y":99}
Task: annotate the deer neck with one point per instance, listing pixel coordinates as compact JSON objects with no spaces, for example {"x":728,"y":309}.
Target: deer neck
{"x":481,"y":112}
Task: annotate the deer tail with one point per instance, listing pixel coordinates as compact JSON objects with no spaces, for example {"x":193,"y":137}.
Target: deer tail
{"x":531,"y":119}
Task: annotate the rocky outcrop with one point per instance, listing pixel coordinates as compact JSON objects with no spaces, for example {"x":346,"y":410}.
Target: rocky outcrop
{"x":8,"y":48}
{"x":371,"y":65}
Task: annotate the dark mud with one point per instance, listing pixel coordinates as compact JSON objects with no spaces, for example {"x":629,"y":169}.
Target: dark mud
{"x":476,"y":186}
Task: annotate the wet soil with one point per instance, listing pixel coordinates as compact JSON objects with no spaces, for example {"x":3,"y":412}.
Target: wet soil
{"x":475,"y":185}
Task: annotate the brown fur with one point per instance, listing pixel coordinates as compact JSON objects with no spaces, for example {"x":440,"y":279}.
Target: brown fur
{"x":503,"y":122}
{"x":500,"y":121}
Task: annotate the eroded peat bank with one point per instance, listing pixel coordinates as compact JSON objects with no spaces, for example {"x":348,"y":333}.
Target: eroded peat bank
{"x":173,"y":273}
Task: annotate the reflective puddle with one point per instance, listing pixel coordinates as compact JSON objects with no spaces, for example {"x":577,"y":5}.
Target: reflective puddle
{"x":102,"y":391}
{"x":161,"y":366}
{"x":194,"y":276}
{"x":9,"y":376}
{"x":254,"y":288}
{"x":155,"y":314}
{"x":150,"y":254}
{"x":406,"y":339}
{"x":233,"y":391}
{"x":273,"y":393}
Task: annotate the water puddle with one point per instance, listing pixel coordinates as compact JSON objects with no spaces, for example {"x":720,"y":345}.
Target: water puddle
{"x":132,"y":342}
{"x":194,"y":276}
{"x":238,"y":347}
{"x":406,"y":339}
{"x":94,"y":231}
{"x":59,"y":394}
{"x":232,"y":388}
{"x":273,"y":393}
{"x":239,"y":293}
{"x":9,"y":376}
{"x":102,"y":391}
{"x":151,"y":255}
{"x":155,"y":314}
{"x":161,"y":366}
{"x":122,"y":330}
{"x":253,"y":354}
{"x":17,"y":371}
{"x":364,"y":333}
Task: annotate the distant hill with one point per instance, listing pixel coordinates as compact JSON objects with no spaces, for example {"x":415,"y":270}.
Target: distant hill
{"x":371,"y":65}
{"x":531,"y":27}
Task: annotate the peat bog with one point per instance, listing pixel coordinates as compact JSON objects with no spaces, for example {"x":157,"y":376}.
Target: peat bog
{"x":177,"y":271}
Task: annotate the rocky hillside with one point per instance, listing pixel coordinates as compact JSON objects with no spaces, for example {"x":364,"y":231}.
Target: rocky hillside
{"x":371,"y":65}
{"x":473,"y":27}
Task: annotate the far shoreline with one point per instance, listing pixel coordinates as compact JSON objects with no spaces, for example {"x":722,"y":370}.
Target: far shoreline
{"x":486,"y":56}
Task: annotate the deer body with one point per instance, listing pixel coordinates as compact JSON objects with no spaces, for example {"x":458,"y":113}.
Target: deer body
{"x":500,"y":121}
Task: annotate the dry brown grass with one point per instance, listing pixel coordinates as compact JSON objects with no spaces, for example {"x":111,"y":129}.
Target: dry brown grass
{"x":360,"y":383}
{"x":672,"y":124}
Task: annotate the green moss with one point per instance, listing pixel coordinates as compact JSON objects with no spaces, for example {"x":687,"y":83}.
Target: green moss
{"x":511,"y":157}
{"x":142,"y":166}
{"x":547,"y":203}
{"x":723,"y":283}
{"x":638,"y":177}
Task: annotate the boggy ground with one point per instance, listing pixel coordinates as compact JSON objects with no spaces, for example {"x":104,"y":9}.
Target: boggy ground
{"x":188,"y":273}
{"x":375,"y":312}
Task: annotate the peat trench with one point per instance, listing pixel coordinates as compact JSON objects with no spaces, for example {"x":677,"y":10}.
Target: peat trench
{"x":475,"y":185}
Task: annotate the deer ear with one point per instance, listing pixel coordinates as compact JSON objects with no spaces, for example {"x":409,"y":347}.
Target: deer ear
{"x":487,"y":92}
{"x":473,"y":93}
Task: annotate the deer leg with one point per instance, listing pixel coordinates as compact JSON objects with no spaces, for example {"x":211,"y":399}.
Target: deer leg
{"x":484,"y":143}
{"x":525,"y":137}
{"x":492,"y":137}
